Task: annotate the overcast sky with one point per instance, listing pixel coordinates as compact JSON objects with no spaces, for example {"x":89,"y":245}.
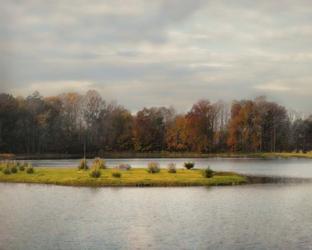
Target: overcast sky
{"x":153,"y":53}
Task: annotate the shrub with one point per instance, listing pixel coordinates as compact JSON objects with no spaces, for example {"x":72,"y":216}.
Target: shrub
{"x":153,"y":167}
{"x":189,"y":165}
{"x":95,"y":173}
{"x":22,"y":167}
{"x":2,"y":166}
{"x":208,"y":172}
{"x":83,"y":165}
{"x":9,"y":164}
{"x":13,"y":169}
{"x":6,"y":170}
{"x":6,"y":164}
{"x":99,"y":163}
{"x":124,"y":167}
{"x":172,"y":168}
{"x":30,"y":169}
{"x":116,"y":174}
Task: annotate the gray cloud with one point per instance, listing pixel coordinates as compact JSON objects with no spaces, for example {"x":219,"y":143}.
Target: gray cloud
{"x":144,"y":53}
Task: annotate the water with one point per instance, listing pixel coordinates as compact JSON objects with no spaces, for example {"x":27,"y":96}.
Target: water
{"x":242,"y":217}
{"x":268,"y":216}
{"x":271,"y":167}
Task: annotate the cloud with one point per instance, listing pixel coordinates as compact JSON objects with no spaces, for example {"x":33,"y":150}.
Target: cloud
{"x":160,"y":52}
{"x":273,"y":87}
{"x":53,"y":87}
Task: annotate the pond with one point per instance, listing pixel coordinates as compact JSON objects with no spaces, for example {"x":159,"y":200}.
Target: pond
{"x":272,"y":167}
{"x":242,"y":217}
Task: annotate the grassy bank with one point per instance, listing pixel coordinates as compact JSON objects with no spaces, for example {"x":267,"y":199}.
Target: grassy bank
{"x":160,"y":155}
{"x":286,"y":155}
{"x":133,"y":177}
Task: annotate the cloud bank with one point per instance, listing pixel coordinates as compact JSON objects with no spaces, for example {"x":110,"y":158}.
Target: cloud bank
{"x":144,"y":53}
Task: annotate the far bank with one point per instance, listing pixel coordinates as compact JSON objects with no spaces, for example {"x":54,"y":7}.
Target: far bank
{"x":129,"y":155}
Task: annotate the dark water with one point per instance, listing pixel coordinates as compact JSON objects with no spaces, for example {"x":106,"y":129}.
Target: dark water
{"x":271,"y":167}
{"x":242,"y":217}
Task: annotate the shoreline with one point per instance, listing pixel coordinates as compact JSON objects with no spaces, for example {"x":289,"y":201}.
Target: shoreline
{"x":169,"y":155}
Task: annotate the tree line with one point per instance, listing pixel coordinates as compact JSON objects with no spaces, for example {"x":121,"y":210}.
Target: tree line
{"x":67,"y":122}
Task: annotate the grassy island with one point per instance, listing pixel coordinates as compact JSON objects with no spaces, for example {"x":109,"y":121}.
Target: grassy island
{"x":133,"y":177}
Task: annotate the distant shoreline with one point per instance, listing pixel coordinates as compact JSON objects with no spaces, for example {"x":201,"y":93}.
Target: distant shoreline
{"x":130,"y":155}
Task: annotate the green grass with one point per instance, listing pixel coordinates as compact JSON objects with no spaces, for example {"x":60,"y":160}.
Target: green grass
{"x":133,"y":177}
{"x":287,"y":155}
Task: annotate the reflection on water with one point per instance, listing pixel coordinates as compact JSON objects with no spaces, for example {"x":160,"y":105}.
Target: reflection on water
{"x":271,"y":167}
{"x":241,"y":217}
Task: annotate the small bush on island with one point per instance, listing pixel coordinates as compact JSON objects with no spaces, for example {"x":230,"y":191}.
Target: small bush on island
{"x":153,"y":167}
{"x":30,"y":169}
{"x":208,"y":172}
{"x":172,"y":168}
{"x":22,"y":167}
{"x":189,"y":165}
{"x":99,"y":163}
{"x":95,"y":173}
{"x":13,"y":169}
{"x":83,"y":165}
{"x":124,"y":167}
{"x":6,"y":170}
{"x":3,"y":165}
{"x":116,"y":174}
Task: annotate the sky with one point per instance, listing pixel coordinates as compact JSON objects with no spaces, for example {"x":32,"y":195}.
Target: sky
{"x":160,"y":52}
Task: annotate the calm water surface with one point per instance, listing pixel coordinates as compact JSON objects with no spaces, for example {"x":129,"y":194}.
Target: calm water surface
{"x":272,"y":167}
{"x":242,"y":217}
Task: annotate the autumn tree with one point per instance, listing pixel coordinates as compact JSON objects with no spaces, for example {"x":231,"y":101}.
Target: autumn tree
{"x":274,"y":126}
{"x":301,"y":135}
{"x":176,"y":138}
{"x":244,"y":127}
{"x":115,"y":129}
{"x":64,"y":123}
{"x":200,"y":121}
{"x":8,"y":122}
{"x":149,"y":130}
{"x":72,"y":122}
